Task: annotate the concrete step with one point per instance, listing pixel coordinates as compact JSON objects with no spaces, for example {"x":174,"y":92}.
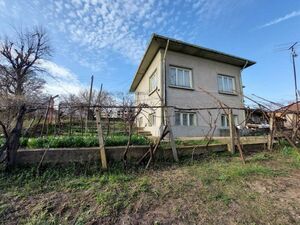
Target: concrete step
{"x":145,"y":133}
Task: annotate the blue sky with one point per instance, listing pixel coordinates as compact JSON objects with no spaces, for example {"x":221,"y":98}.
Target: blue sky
{"x":107,"y":38}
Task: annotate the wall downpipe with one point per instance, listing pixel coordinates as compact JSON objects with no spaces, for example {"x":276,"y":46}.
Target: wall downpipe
{"x":241,"y":82}
{"x":164,"y":83}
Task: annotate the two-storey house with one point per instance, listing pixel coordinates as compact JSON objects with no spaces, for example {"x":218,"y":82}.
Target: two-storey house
{"x":175,"y":73}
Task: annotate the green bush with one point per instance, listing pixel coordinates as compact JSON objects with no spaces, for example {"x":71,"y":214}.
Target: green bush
{"x":23,"y":142}
{"x":80,"y":141}
{"x":122,"y":140}
{"x":1,"y":141}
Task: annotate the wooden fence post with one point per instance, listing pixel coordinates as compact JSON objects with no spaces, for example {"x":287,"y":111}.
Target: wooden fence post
{"x":231,"y":145}
{"x":101,"y":140}
{"x":271,"y":133}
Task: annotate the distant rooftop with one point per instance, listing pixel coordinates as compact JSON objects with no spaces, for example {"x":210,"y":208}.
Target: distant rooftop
{"x":291,"y":108}
{"x":157,"y":42}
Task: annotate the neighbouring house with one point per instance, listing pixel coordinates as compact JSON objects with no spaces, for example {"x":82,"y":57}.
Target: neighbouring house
{"x":257,"y":118}
{"x":175,"y":73}
{"x":289,"y":114}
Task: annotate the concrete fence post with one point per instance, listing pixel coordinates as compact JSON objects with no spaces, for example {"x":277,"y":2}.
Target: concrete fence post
{"x":101,"y":140}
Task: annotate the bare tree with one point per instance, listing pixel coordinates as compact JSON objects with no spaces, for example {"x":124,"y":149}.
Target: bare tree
{"x":106,"y":98}
{"x":20,"y":65}
{"x":78,"y":104}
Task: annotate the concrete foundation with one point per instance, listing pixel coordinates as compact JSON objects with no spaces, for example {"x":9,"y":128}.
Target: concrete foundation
{"x":66,"y":155}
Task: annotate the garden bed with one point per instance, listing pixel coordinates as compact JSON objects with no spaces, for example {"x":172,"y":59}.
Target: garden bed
{"x":79,"y":141}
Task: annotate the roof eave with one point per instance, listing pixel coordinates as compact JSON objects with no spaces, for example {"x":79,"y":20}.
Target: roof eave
{"x":245,"y":63}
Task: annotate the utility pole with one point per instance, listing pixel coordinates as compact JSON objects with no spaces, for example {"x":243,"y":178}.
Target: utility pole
{"x":294,"y":55}
{"x":89,"y":104}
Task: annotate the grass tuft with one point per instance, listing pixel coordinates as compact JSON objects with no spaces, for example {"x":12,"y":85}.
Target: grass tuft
{"x":293,"y":154}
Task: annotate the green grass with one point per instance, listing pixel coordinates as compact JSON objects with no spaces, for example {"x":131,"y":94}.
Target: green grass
{"x":79,"y":141}
{"x":92,"y":141}
{"x":294,"y":154}
{"x":202,"y":191}
{"x":217,"y":169}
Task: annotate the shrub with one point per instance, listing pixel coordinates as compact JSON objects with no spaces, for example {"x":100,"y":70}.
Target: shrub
{"x":23,"y":142}
{"x":1,"y":141}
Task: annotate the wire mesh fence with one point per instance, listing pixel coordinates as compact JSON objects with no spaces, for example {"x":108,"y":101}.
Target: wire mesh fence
{"x":146,"y":120}
{"x":77,"y":125}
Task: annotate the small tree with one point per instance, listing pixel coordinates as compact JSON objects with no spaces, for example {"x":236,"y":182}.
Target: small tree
{"x":20,"y":65}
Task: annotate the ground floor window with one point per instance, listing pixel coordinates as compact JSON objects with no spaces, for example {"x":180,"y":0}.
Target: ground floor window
{"x":225,"y":120}
{"x":152,"y":119}
{"x":185,"y":119}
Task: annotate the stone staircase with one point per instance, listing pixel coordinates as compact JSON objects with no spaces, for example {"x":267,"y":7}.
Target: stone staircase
{"x":143,"y":132}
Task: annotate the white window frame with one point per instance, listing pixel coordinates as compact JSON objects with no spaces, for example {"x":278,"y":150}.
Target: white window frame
{"x":223,"y":85}
{"x":226,"y":126}
{"x":151,"y":119}
{"x":176,"y":80}
{"x":153,"y":86}
{"x":188,"y":122}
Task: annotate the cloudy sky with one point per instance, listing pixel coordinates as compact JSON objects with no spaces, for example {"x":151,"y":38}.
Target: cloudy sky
{"x":107,"y":38}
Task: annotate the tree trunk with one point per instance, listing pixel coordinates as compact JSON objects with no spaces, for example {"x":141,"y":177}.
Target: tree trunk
{"x":13,"y":141}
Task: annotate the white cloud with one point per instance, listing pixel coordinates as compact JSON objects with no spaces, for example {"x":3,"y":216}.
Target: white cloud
{"x":62,"y":88}
{"x":123,"y":27}
{"x":60,"y":80}
{"x":281,"y":19}
{"x":56,"y":70}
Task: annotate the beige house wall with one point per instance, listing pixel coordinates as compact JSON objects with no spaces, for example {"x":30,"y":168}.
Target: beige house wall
{"x":204,"y":75}
{"x":290,"y":120}
{"x":142,"y":95}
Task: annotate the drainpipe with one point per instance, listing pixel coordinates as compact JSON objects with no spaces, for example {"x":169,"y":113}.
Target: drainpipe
{"x":241,"y":86}
{"x":241,"y":83}
{"x":164,"y":83}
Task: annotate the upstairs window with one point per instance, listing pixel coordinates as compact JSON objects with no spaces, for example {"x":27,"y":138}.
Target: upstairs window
{"x":152,"y":82}
{"x":185,"y":119}
{"x":226,"y":84}
{"x":180,"y":77}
